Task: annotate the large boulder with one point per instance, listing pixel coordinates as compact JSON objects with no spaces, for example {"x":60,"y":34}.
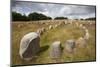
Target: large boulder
{"x":29,"y":46}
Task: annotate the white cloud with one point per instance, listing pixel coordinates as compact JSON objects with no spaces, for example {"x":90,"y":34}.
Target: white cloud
{"x":54,"y":10}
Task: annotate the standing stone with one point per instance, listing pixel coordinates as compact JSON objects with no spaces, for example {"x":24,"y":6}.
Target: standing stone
{"x":81,"y":25}
{"x":69,"y":46}
{"x":77,"y":24}
{"x":43,"y":29}
{"x":65,"y":22}
{"x":56,"y":25}
{"x":55,"y":50}
{"x":29,"y":46}
{"x":81,"y":42}
{"x":84,"y":27}
{"x":86,"y":30}
{"x":86,"y":36}
{"x":50,"y":27}
{"x":40,"y":31}
{"x":20,"y":25}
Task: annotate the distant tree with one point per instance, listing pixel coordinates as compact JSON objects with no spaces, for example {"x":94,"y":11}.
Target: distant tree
{"x":32,"y":16}
{"x":60,"y":18}
{"x":16,"y":16}
{"x":81,"y":19}
{"x":92,"y":18}
{"x":19,"y":17}
{"x":49,"y":18}
{"x":24,"y":18}
{"x":38,"y":16}
{"x":76,"y":19}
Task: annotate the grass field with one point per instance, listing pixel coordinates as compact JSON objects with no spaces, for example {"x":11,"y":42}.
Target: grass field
{"x":61,"y":33}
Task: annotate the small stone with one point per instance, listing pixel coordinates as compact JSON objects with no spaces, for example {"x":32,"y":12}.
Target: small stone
{"x":77,"y":24}
{"x":65,"y":22}
{"x":50,"y":27}
{"x":40,"y":31}
{"x":20,"y":25}
{"x":86,"y":36}
{"x":81,"y":25}
{"x":56,"y":25}
{"x":43,"y":29}
{"x":86,"y":30}
{"x":84,"y":27}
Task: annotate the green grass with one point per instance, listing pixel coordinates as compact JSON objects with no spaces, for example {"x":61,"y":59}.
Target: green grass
{"x":61,"y":33}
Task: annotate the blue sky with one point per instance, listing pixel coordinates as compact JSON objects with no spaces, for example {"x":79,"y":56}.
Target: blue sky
{"x":54,"y":10}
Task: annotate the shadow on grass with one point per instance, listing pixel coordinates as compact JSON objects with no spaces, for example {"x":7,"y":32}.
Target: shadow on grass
{"x":43,"y":49}
{"x":34,"y":59}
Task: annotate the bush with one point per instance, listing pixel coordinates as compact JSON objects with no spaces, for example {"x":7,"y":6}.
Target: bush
{"x":92,"y":18}
{"x":60,"y":18}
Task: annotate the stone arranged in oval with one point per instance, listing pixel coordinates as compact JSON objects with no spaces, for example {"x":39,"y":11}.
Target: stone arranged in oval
{"x":86,"y":36}
{"x":77,"y":24}
{"x":29,"y":46}
{"x":55,"y":49}
{"x":84,"y":27}
{"x":50,"y":27}
{"x":81,"y":25}
{"x":65,"y":22}
{"x":69,"y":46}
{"x":40,"y":31}
{"x":20,"y":25}
{"x":86,"y":31}
{"x":56,"y":25}
{"x":81,"y":42}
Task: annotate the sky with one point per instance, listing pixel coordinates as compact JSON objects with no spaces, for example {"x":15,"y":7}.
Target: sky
{"x":54,"y":10}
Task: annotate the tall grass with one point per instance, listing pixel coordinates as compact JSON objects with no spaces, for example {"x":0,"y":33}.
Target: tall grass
{"x":61,"y":33}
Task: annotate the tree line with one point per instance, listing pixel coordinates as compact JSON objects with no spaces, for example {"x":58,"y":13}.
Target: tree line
{"x":92,"y":18}
{"x":37,"y":16}
{"x":32,"y":17}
